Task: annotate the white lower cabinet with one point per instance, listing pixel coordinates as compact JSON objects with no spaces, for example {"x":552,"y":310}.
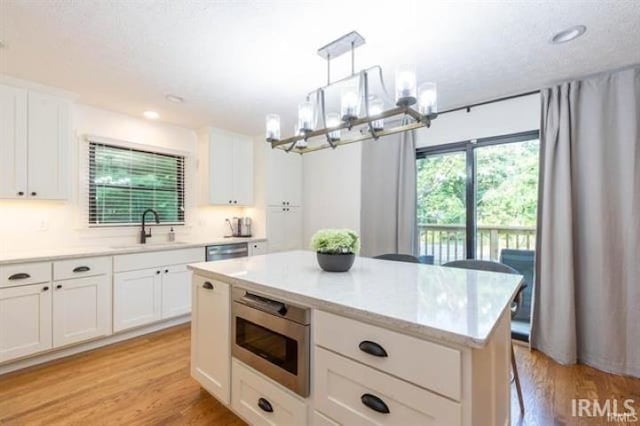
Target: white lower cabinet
{"x":284,"y":228}
{"x":258,"y":247}
{"x":261,"y":402}
{"x":176,"y":291}
{"x":210,"y":337}
{"x":354,"y":394}
{"x":25,"y":320}
{"x":137,"y":298}
{"x":81,"y":309}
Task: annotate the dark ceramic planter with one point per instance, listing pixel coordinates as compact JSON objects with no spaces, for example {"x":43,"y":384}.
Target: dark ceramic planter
{"x":336,"y":262}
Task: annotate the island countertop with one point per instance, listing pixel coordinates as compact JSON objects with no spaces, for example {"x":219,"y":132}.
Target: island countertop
{"x":444,"y":304}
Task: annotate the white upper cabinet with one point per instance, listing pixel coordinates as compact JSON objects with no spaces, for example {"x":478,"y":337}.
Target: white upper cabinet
{"x":13,"y":142}
{"x":34,"y":142}
{"x":228,"y":171}
{"x":47,"y":147}
{"x":284,"y":178}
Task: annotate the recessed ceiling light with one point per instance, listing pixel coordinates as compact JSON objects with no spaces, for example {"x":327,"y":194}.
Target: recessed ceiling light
{"x":568,"y":34}
{"x":151,"y":115}
{"x":175,"y":99}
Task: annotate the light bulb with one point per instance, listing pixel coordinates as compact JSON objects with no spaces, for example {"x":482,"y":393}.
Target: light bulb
{"x":302,"y":144}
{"x":333,"y":120}
{"x":376,"y":107}
{"x":427,"y":99}
{"x":349,"y":104}
{"x":305,"y":116}
{"x":405,"y":85}
{"x":272,"y":123}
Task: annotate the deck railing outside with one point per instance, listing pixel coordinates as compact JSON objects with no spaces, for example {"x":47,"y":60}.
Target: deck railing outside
{"x":448,"y":242}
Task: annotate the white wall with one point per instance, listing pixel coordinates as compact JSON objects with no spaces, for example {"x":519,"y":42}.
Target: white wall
{"x":331,"y":189}
{"x":500,"y":118}
{"x":332,"y":180}
{"x":26,"y":224}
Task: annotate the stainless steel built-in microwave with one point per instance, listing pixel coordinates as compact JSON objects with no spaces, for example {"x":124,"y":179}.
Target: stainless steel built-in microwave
{"x":273,"y":337}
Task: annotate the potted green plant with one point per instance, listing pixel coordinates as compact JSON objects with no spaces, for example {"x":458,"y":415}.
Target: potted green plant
{"x":336,"y":248}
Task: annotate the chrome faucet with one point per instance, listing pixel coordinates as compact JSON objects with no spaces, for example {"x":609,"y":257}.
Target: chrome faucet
{"x":143,"y":234}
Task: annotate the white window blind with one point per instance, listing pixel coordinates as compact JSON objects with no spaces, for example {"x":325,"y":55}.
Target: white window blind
{"x":123,"y":182}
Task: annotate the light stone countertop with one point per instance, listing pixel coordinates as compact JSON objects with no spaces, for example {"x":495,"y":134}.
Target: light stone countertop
{"x":451,"y":305}
{"x":51,"y":254}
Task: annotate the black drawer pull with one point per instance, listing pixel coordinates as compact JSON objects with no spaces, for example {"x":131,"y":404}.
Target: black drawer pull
{"x":81,"y":269}
{"x":207,"y":285}
{"x":45,"y":288}
{"x":265,"y":405}
{"x":59,"y":286}
{"x":372,"y":348}
{"x":19,"y":276}
{"x":375,"y":403}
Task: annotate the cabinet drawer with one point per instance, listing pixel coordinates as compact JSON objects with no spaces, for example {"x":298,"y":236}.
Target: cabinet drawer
{"x":261,"y":402}
{"x":25,"y":273}
{"x":355,"y":394}
{"x":320,"y":419}
{"x":152,"y":259}
{"x":424,"y":363}
{"x":84,"y":267}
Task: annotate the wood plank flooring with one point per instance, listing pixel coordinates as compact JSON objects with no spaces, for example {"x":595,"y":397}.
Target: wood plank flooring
{"x":146,"y":381}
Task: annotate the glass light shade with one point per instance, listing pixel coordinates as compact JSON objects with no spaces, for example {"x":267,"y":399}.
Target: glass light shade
{"x":349,"y":104}
{"x":427,"y":99}
{"x":406,"y":85}
{"x":305,"y":117}
{"x":333,"y":120}
{"x":376,"y":106}
{"x":301,"y":143}
{"x":272,"y":127}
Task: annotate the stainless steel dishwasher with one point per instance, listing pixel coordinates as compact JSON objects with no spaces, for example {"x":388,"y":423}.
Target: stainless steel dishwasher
{"x":227,"y":251}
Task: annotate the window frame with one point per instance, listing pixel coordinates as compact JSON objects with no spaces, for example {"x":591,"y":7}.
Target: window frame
{"x":468,"y":147}
{"x":90,"y":187}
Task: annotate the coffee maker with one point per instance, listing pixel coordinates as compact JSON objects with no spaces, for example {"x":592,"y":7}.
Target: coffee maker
{"x":240,"y":226}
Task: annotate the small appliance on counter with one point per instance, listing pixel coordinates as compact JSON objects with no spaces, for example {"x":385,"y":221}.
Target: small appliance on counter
{"x":239,"y":226}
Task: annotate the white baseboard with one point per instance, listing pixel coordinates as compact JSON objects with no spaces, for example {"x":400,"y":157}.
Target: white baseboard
{"x":93,"y":344}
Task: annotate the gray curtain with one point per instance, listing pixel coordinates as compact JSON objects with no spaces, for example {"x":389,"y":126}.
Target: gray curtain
{"x":388,"y":209}
{"x":587,"y":294}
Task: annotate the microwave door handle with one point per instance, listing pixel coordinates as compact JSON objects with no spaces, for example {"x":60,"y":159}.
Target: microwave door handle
{"x":278,"y":308}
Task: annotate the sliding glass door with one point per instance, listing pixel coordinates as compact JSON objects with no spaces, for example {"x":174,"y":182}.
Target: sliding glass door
{"x":476,"y":199}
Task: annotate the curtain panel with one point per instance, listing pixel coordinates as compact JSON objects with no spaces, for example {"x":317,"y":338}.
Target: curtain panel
{"x":388,"y":206}
{"x":587,"y":293}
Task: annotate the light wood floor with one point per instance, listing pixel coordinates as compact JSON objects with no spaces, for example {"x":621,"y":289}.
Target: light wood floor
{"x":147,"y":381}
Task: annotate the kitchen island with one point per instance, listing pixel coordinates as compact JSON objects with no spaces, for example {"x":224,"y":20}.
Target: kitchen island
{"x":389,"y":342}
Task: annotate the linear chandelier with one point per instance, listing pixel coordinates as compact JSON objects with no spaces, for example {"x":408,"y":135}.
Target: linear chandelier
{"x":362,"y":114}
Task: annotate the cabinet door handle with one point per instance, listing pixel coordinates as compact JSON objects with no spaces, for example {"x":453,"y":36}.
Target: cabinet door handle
{"x":207,"y":285}
{"x":375,"y":403}
{"x":265,"y":405}
{"x":33,"y":194}
{"x":19,"y":276}
{"x":230,"y":201}
{"x":81,"y":269}
{"x":59,"y":286}
{"x":21,"y":193}
{"x":372,"y":348}
{"x":45,"y":288}
{"x":157,"y":272}
{"x":166,"y":271}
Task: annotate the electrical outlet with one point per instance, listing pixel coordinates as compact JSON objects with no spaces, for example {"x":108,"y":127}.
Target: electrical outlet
{"x":44,"y":225}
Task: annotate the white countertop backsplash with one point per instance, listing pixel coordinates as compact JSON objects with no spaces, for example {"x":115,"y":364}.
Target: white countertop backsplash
{"x":50,"y":254}
{"x":454,"y":305}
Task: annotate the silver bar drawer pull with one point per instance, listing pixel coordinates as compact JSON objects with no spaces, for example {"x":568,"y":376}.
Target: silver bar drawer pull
{"x":19,"y":276}
{"x":81,"y":269}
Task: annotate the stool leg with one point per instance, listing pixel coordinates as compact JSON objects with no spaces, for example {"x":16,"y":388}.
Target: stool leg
{"x":517,"y":379}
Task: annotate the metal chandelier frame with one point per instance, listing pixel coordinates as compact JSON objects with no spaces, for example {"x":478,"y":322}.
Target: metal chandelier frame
{"x":344,"y":44}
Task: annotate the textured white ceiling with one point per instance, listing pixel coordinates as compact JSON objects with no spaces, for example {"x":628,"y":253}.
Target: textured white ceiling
{"x":234,"y":61}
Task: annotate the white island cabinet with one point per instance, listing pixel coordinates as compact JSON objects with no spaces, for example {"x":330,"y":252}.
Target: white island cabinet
{"x":392,"y":343}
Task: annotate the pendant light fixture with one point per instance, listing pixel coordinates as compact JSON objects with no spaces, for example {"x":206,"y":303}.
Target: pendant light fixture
{"x":359,"y":107}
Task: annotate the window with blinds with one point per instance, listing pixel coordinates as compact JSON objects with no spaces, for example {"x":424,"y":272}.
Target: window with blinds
{"x":123,"y":182}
